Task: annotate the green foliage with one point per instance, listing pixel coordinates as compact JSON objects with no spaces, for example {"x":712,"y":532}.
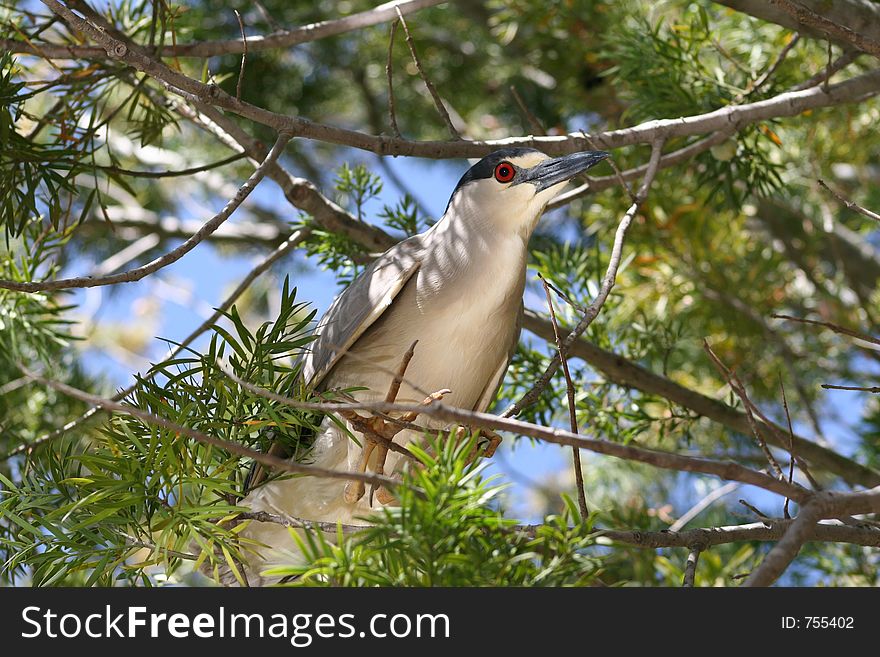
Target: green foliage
{"x":139,"y":496}
{"x":447,"y":531}
{"x":403,"y":217}
{"x":359,"y":185}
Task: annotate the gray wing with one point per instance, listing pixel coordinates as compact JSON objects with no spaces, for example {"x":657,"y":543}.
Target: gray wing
{"x":494,"y":383}
{"x":359,"y":306}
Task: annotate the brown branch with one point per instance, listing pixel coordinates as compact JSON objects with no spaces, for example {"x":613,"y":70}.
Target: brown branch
{"x":834,"y":327}
{"x":825,"y":74}
{"x":529,"y":116}
{"x":234,"y":448}
{"x":622,"y":177}
{"x":244,"y":55}
{"x":592,"y":311}
{"x":849,"y":204}
{"x":690,"y":571}
{"x":390,"y":75}
{"x":292,"y":242}
{"x":809,"y":18}
{"x":438,"y":103}
{"x":737,"y":386}
{"x":791,"y":461}
{"x":173,"y":256}
{"x":572,"y":409}
{"x":770,"y":530}
{"x":824,"y":504}
{"x":766,"y":75}
{"x":625,"y":373}
{"x":473,"y":419}
{"x":731,"y":116}
{"x":871,"y":389}
{"x":278,"y":39}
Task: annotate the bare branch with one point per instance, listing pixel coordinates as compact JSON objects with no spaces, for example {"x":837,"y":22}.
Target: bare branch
{"x":280,"y":39}
{"x":849,"y":204}
{"x":572,"y":409}
{"x":690,"y":571}
{"x":771,"y":530}
{"x":389,"y":73}
{"x":438,"y":103}
{"x":732,"y":116}
{"x":737,"y":386}
{"x":244,"y":55}
{"x":834,"y":327}
{"x":234,"y":448}
{"x":824,"y":504}
{"x":473,"y":419}
{"x":138,"y":273}
{"x":871,"y":389}
{"x":171,"y":174}
{"x":806,"y":16}
{"x":625,"y":373}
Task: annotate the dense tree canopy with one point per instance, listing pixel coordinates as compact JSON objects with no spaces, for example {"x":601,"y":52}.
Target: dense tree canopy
{"x":733,"y":223}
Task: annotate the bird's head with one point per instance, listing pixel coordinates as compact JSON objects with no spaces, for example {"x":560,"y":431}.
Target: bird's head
{"x":509,"y":189}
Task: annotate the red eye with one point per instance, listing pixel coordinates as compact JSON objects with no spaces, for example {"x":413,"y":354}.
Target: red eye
{"x":504,"y":172}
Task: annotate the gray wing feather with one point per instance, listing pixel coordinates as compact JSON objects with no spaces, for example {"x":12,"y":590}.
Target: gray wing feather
{"x":359,"y":306}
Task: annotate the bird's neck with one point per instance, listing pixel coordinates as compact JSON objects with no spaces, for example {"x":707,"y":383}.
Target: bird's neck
{"x":470,"y":249}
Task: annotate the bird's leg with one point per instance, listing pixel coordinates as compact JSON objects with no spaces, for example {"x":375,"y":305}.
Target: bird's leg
{"x":484,"y":446}
{"x":383,"y":495}
{"x":354,"y":490}
{"x":373,"y":427}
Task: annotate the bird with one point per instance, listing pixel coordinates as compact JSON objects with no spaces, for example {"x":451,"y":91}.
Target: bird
{"x":456,"y":292}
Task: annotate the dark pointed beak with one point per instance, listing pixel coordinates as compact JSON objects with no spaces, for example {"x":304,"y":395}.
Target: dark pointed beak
{"x":559,"y":169}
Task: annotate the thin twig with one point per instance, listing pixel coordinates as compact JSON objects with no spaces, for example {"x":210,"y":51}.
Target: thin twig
{"x":172,"y":174}
{"x":766,"y":75}
{"x":441,"y":109}
{"x":834,"y":327}
{"x":831,"y":531}
{"x":572,"y":409}
{"x":791,"y":461}
{"x":871,"y":389}
{"x":737,"y":386}
{"x":690,"y":570}
{"x":592,"y":311}
{"x":244,"y":54}
{"x":232,"y":447}
{"x":855,"y":207}
{"x":713,"y":496}
{"x":389,"y":73}
{"x":825,"y":74}
{"x":533,"y":120}
{"x":172,"y":256}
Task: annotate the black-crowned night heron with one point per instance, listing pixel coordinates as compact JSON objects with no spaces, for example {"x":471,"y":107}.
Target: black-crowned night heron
{"x":457,"y":288}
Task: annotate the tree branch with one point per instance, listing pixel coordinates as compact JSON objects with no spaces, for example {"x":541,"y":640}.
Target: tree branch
{"x":625,"y":373}
{"x":785,"y":104}
{"x":292,"y":242}
{"x":234,"y":448}
{"x":824,"y":504}
{"x":173,"y":256}
{"x":280,"y":39}
{"x":473,"y":419}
